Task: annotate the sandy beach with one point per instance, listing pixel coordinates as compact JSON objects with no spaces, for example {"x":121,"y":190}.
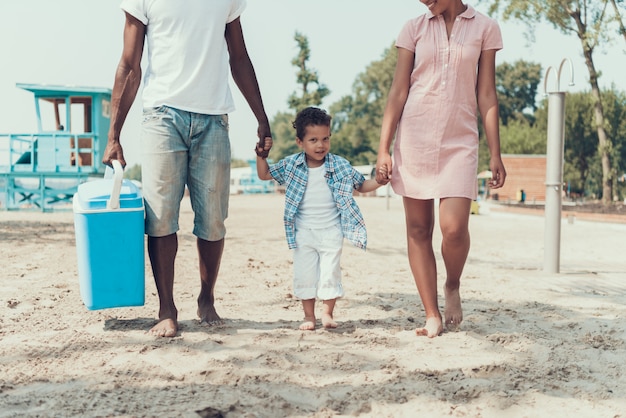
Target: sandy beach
{"x":532,"y":344}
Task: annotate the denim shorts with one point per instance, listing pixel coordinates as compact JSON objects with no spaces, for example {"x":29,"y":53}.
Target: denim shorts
{"x":179,"y":149}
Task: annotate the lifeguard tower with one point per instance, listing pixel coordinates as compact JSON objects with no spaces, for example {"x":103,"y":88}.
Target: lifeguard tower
{"x":42,"y":170}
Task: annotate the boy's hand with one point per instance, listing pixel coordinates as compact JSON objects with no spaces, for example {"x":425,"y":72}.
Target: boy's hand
{"x":263,"y":147}
{"x":382,"y":175}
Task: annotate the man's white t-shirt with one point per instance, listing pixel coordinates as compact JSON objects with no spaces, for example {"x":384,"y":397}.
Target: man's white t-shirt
{"x":187,"y":56}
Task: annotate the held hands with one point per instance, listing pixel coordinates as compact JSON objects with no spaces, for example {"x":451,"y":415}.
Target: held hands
{"x":383,"y":171}
{"x":263,"y":147}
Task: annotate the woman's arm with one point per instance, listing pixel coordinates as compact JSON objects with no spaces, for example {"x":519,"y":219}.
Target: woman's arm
{"x":396,"y":99}
{"x":488,"y":107}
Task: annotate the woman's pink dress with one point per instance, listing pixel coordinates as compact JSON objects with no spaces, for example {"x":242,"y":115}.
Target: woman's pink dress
{"x":435,"y":153}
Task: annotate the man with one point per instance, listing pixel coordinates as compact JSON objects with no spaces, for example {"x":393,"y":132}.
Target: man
{"x":186,"y":101}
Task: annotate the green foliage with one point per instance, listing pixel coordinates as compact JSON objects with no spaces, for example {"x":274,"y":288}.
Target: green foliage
{"x":305,"y":77}
{"x":615,"y":124}
{"x":520,"y":137}
{"x":236,"y":163}
{"x":582,"y":154}
{"x":133,"y":173}
{"x":283,"y":135}
{"x":357,"y":118}
{"x":562,"y":14}
{"x":580,"y":138}
{"x":582,"y":166}
{"x":517,"y":89}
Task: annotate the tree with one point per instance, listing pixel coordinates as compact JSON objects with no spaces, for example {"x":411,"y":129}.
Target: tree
{"x":283,"y":134}
{"x":520,"y":137}
{"x":358,"y":117}
{"x":618,"y":17}
{"x":580,"y":141}
{"x":615,"y":113}
{"x":305,"y":77}
{"x":589,"y":21}
{"x":517,"y":89}
{"x":582,"y":168}
{"x":282,"y":129}
{"x":516,"y":85}
{"x":133,"y":173}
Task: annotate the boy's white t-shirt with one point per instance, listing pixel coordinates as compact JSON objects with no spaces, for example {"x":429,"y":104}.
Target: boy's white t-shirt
{"x":317,"y":209}
{"x":188,"y":64}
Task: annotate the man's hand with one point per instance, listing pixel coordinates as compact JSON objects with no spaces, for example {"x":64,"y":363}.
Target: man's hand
{"x":113,"y":151}
{"x":263,"y":147}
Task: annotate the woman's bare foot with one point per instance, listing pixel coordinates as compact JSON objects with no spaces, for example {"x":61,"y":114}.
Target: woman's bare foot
{"x":165,"y":328}
{"x":308,"y":324}
{"x":328,"y":321}
{"x":432,"y":329}
{"x":209,"y":316}
{"x":453,"y":312}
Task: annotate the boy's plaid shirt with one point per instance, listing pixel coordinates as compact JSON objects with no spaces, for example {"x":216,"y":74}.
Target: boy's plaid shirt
{"x":342,"y":179}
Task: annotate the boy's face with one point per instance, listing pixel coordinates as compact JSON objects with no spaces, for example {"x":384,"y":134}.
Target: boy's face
{"x":315,"y":144}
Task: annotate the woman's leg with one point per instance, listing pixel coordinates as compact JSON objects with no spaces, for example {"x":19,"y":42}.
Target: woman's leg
{"x":420,"y":219}
{"x":454,"y":221}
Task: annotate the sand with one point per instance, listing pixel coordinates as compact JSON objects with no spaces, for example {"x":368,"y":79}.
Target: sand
{"x":532,"y":344}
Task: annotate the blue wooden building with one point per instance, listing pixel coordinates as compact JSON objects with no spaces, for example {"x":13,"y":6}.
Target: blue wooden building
{"x":42,"y":170}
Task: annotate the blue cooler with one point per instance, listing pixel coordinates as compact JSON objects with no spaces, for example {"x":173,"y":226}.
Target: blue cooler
{"x":109,"y":227}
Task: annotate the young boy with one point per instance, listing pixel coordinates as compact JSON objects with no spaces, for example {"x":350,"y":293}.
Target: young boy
{"x":320,"y":211}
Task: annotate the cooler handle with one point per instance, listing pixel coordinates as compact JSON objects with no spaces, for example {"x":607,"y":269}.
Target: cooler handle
{"x":118,"y":176}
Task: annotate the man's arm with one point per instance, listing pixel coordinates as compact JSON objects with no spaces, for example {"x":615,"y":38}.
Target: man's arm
{"x":125,"y":86}
{"x":243,"y":73}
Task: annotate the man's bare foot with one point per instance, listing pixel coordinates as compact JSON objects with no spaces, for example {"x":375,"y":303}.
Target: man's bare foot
{"x":453,"y":312}
{"x":328,"y":321}
{"x":432,"y":329}
{"x":165,"y":328}
{"x":209,"y":316}
{"x":308,"y":324}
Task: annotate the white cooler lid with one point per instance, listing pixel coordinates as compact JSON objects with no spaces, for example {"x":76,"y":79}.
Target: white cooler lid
{"x":94,"y":195}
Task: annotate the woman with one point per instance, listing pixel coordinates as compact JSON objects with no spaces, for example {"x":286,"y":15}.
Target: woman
{"x":444,"y":73}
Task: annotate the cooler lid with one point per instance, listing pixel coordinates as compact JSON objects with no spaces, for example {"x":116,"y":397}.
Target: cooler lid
{"x":94,"y":195}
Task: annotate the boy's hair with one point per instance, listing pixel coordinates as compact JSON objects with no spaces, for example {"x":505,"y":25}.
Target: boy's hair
{"x":310,"y":116}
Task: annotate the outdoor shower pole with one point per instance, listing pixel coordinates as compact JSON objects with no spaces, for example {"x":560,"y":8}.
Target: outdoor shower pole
{"x":554,"y":170}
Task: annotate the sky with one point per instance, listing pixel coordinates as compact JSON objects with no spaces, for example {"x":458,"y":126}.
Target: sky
{"x":79,"y":42}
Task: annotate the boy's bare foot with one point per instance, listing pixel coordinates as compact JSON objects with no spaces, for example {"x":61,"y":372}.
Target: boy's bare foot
{"x":308,"y":324}
{"x":328,"y":321}
{"x":453,"y":312}
{"x":432,"y":329}
{"x":165,"y":328}
{"x":209,"y":316}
